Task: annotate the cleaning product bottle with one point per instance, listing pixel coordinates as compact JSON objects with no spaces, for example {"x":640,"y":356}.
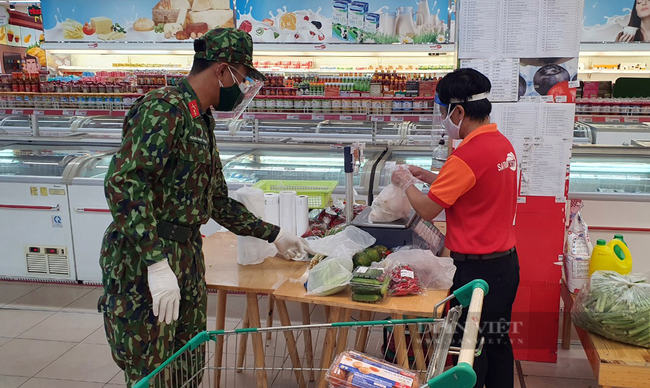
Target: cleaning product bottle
{"x":618,"y":250}
{"x":603,"y":258}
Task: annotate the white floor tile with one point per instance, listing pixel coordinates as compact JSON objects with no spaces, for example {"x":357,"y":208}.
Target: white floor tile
{"x":4,"y":340}
{"x":547,"y":382}
{"x":50,"y":297}
{"x":98,"y":337}
{"x":115,"y":386}
{"x":52,"y":383}
{"x":87,"y":303}
{"x":118,"y":378}
{"x":23,"y":357}
{"x":10,"y":291}
{"x":11,"y":381}
{"x":74,"y":365}
{"x":70,"y":327}
{"x":16,"y":322}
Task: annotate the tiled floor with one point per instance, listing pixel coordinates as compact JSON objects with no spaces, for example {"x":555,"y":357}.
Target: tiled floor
{"x":51,"y":336}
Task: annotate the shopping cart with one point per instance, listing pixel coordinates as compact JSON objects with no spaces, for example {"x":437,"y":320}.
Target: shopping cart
{"x":289,"y":358}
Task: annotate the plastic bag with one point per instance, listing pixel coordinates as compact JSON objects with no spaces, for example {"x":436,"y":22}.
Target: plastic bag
{"x":404,"y":280}
{"x":615,"y":306}
{"x":343,"y":244}
{"x":577,"y":250}
{"x":251,"y":250}
{"x":434,"y":272}
{"x":390,"y":205}
{"x":330,"y":276}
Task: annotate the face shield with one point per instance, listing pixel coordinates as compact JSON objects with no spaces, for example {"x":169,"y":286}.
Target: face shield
{"x":249,"y":88}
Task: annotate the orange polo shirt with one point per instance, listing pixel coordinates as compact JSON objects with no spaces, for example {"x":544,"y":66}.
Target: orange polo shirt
{"x":477,"y":187}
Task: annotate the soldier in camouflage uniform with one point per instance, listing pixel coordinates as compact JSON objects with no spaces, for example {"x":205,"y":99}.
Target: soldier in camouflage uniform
{"x":162,"y":185}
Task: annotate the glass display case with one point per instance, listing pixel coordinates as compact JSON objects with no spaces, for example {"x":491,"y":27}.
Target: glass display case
{"x":296,"y":163}
{"x":610,"y":170}
{"x":40,"y":161}
{"x":616,"y":134}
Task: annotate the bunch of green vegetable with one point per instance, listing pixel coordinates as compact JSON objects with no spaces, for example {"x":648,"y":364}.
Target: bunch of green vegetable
{"x":615,"y":306}
{"x":369,"y":285}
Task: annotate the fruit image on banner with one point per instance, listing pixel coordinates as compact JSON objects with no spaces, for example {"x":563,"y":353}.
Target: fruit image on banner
{"x":140,"y":21}
{"x":344,"y":21}
{"x":554,"y":77}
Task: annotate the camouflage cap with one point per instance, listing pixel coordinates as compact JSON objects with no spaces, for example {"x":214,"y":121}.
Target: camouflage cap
{"x":227,"y":45}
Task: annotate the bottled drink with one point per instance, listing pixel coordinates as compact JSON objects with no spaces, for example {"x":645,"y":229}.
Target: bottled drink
{"x":439,"y":156}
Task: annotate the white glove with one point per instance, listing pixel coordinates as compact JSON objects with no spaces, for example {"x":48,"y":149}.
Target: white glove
{"x":165,"y":292}
{"x":403,"y":178}
{"x":291,"y":246}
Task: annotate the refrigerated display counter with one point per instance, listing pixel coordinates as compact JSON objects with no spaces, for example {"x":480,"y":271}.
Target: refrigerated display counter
{"x":36,"y":232}
{"x":616,"y":134}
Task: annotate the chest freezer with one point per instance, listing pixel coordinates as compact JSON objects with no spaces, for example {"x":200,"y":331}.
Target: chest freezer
{"x":90,"y":215}
{"x":35,"y":228}
{"x":617,"y":134}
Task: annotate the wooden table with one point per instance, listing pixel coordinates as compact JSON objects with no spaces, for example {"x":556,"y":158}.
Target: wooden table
{"x":223,"y":274}
{"x":339,"y":304}
{"x":615,"y":364}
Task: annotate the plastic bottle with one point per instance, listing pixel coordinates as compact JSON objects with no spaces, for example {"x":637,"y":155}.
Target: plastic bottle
{"x":439,"y":155}
{"x":617,"y":250}
{"x":603,"y":258}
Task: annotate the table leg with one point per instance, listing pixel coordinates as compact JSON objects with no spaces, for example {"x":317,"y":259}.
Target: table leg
{"x":269,"y":317}
{"x":243,"y":343}
{"x":416,"y":343}
{"x":362,"y":333}
{"x":291,"y":342}
{"x":309,"y":349}
{"x":399,"y":337}
{"x":258,"y":345}
{"x":328,"y":346}
{"x":221,"y":324}
{"x":342,"y":340}
{"x":566,"y":329}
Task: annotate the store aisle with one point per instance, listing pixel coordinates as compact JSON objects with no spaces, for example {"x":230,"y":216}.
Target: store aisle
{"x":51,"y":336}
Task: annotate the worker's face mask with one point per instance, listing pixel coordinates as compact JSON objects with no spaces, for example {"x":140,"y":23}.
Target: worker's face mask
{"x":453,"y":130}
{"x":230,"y":96}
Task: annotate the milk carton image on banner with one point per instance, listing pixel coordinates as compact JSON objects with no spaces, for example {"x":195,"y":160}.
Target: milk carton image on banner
{"x":340,"y":19}
{"x":356,"y":17}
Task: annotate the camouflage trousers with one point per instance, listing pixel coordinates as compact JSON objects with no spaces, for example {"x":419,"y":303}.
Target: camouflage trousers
{"x":139,"y":343}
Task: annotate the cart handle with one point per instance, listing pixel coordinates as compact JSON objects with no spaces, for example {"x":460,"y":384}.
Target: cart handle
{"x":460,"y":376}
{"x":464,"y":293}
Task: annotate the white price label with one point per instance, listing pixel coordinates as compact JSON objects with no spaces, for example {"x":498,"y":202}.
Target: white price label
{"x":80,"y":113}
{"x":249,"y":116}
{"x":612,"y":119}
{"x":18,"y":111}
{"x":39,"y":112}
{"x":362,"y":269}
{"x":631,"y":119}
{"x":521,"y":199}
{"x":425,"y":118}
{"x":560,"y":99}
{"x":293,"y":117}
{"x":346,"y":118}
{"x":560,"y":200}
{"x":574,"y":84}
{"x":396,"y":118}
{"x":318,"y":117}
{"x":68,"y":113}
{"x":405,"y":273}
{"x":3,"y":112}
{"x":377,"y":118}
{"x":547,"y":98}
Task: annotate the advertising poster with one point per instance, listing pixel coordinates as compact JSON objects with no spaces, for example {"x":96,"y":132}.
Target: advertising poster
{"x":616,"y":21}
{"x":345,"y":21}
{"x":133,"y":21}
{"x":555,"y":78}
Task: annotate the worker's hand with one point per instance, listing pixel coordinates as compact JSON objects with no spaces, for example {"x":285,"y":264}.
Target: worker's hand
{"x":425,"y":176}
{"x":165,"y":292}
{"x":291,"y":246}
{"x":402,"y":177}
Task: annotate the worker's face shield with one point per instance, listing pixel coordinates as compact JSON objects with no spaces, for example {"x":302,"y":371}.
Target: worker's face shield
{"x":249,"y":87}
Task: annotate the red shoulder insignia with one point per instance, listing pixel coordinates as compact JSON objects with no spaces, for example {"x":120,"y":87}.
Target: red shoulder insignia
{"x":194,"y":109}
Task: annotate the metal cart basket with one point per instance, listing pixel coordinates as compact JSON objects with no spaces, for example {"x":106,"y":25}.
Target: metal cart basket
{"x":292,"y":354}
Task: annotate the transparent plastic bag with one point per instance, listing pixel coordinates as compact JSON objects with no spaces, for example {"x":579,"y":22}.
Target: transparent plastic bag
{"x":330,"y":276}
{"x":390,"y":205}
{"x":353,"y":369}
{"x":343,"y":244}
{"x":577,"y":250}
{"x":433,"y":272}
{"x":615,"y":306}
{"x":251,"y":250}
{"x":404,"y":280}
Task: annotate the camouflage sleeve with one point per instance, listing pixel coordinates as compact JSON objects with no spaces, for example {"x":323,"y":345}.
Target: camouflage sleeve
{"x":148,"y":138}
{"x":233,"y":214}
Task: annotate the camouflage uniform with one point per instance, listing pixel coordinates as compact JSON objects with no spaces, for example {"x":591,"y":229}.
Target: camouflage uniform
{"x":168,"y":168}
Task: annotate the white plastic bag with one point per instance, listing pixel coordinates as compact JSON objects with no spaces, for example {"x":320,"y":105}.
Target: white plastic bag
{"x":390,"y":205}
{"x":343,"y":244}
{"x":251,"y":250}
{"x":577,"y":251}
{"x":330,"y":276}
{"x":434,"y":272}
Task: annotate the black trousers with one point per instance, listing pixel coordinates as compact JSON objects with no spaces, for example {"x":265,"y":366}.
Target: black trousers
{"x":495,"y":367}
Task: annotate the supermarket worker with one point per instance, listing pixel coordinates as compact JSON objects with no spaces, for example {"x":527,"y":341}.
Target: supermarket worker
{"x":162,"y":185}
{"x":477,"y":188}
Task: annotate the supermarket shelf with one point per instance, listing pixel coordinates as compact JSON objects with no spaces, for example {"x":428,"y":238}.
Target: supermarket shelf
{"x":364,"y":71}
{"x":614,"y":49}
{"x":109,"y":68}
{"x":62,"y":112}
{"x":612,"y":119}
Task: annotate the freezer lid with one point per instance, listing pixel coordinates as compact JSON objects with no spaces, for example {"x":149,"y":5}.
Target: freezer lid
{"x":39,"y":160}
